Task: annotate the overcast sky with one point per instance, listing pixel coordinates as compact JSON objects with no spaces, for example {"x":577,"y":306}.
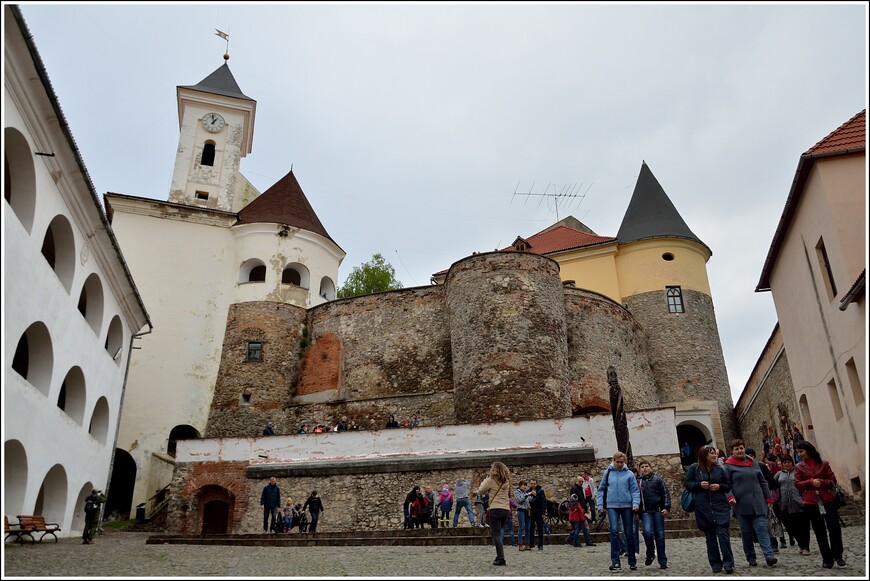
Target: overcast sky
{"x":411,"y":126}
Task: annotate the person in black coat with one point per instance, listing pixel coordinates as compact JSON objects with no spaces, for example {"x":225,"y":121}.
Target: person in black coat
{"x":655,"y":505}
{"x":315,"y":507}
{"x":406,"y":507}
{"x":707,"y":480}
{"x":538,"y":507}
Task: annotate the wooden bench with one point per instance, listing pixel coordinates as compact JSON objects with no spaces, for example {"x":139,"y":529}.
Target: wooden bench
{"x":36,"y":524}
{"x":16,"y":531}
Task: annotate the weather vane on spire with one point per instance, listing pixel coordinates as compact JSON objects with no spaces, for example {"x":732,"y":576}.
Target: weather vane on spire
{"x":226,"y":37}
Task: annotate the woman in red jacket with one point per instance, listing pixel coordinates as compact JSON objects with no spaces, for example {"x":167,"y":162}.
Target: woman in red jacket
{"x":815,"y":480}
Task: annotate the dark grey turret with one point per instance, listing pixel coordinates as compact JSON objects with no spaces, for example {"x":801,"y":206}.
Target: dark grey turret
{"x":651,"y":214}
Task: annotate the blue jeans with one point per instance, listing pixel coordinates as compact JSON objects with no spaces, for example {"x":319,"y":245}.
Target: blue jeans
{"x":523,"y":526}
{"x":654,"y":535}
{"x":509,"y":530}
{"x":756,"y":523}
{"x":460,"y":503}
{"x":574,"y":536}
{"x":269,"y":512}
{"x":718,"y":539}
{"x":614,"y":517}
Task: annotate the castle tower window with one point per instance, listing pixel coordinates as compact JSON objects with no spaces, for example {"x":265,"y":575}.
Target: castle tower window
{"x":290,"y":276}
{"x":200,"y":195}
{"x":208,"y":153}
{"x":258,"y":274}
{"x":675,"y":299}
{"x":255,"y":351}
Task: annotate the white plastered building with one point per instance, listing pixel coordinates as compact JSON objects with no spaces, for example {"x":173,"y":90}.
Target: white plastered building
{"x":215,"y":241}
{"x":70,"y":307}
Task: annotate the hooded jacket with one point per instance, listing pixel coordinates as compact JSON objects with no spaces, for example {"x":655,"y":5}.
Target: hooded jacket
{"x":445,"y":500}
{"x":621,"y":488}
{"x":790,"y":498}
{"x":460,"y":490}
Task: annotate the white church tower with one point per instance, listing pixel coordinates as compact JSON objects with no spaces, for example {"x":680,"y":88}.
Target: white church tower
{"x":216,"y":241}
{"x":216,"y":130}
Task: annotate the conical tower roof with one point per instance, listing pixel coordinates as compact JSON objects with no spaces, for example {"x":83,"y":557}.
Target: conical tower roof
{"x":651,"y":214}
{"x":220,"y":82}
{"x":283,"y":203}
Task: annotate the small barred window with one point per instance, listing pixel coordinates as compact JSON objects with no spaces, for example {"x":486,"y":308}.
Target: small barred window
{"x":255,"y":351}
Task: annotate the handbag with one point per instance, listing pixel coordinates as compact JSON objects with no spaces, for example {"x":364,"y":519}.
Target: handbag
{"x":839,"y":495}
{"x":687,"y":501}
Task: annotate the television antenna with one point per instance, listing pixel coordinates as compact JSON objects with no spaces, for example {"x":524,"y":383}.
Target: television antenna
{"x":567,"y":195}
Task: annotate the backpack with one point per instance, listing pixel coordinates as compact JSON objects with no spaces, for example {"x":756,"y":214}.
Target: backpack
{"x":90,"y":506}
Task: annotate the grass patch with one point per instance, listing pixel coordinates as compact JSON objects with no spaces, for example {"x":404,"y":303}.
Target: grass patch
{"x":119,"y":524}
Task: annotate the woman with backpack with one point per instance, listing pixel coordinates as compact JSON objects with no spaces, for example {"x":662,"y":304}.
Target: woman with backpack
{"x":445,"y":504}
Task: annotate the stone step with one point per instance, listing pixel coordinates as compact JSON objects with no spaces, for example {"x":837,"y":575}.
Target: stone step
{"x":675,"y":528}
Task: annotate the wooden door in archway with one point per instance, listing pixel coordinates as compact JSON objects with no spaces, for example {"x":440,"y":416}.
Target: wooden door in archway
{"x":215,"y":517}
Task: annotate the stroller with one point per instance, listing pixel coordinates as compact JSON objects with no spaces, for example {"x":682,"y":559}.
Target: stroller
{"x":299,"y":519}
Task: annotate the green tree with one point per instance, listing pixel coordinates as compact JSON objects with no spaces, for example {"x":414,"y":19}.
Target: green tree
{"x":374,"y":276}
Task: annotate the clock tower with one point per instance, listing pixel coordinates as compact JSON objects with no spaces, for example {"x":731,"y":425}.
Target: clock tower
{"x":216,"y":129}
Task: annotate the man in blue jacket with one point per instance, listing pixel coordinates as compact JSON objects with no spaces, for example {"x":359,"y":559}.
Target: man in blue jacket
{"x":270,"y":498}
{"x":619,"y":492}
{"x":655,"y":504}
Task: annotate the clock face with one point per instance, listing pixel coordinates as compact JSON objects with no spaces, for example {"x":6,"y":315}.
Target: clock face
{"x":213,"y":122}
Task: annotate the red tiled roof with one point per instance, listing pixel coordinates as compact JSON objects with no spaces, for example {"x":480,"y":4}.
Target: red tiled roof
{"x":561,"y":238}
{"x":555,"y":239}
{"x":283,"y":203}
{"x":850,"y":135}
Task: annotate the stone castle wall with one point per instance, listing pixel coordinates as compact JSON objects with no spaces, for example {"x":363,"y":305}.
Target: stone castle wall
{"x":602,"y":333}
{"x":507,"y":328}
{"x":685,"y":353}
{"x":248,"y":393}
{"x":772,"y":410}
{"x":373,"y":500}
{"x":392,"y":344}
{"x":501,"y":340}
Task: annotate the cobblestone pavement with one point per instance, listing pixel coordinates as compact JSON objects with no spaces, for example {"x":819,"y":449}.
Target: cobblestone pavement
{"x":125,"y":554}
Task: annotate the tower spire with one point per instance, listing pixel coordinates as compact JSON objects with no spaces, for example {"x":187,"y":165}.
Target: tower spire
{"x":651,"y":214}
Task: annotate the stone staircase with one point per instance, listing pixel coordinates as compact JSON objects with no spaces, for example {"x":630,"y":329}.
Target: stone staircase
{"x":852,"y":515}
